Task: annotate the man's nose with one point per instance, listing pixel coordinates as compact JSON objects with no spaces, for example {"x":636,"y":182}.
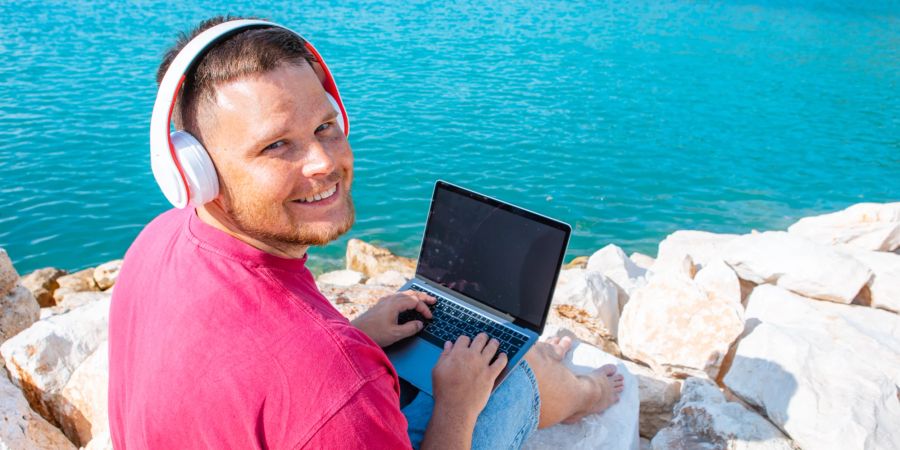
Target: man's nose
{"x":318,"y":161}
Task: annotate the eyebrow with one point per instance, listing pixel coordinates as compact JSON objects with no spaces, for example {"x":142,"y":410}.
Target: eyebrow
{"x":268,"y":136}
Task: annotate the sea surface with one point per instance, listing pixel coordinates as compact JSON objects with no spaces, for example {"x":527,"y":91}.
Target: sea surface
{"x":627,"y":119}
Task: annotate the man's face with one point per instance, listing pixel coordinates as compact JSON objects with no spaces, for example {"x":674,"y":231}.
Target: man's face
{"x":277,"y":146}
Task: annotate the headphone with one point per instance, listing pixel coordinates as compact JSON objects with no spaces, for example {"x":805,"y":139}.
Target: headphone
{"x":182,"y":167}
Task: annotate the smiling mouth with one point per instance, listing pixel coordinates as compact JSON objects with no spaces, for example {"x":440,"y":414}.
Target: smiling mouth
{"x":326,"y":194}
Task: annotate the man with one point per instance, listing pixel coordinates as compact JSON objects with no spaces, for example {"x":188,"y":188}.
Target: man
{"x":219,"y":337}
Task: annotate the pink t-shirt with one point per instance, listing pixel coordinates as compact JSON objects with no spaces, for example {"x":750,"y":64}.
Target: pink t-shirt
{"x":215,"y":344}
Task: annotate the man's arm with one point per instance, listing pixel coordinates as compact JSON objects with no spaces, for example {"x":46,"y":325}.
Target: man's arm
{"x":462,"y":379}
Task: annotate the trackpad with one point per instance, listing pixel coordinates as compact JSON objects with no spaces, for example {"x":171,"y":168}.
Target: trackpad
{"x":414,"y":358}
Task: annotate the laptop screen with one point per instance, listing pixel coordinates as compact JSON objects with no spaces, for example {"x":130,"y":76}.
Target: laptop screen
{"x":501,"y":255}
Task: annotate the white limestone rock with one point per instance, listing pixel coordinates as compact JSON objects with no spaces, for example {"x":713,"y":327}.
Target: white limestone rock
{"x":797,"y":264}
{"x":681,"y":265}
{"x":392,"y":279}
{"x":704,"y":420}
{"x":83,"y":409}
{"x":612,"y":262}
{"x":18,"y":310}
{"x":21,"y":428}
{"x":583,"y":327}
{"x":641,"y":260}
{"x":356,"y":293}
{"x":591,"y":292}
{"x":102,"y":441}
{"x":826,"y":374}
{"x":866,"y":226}
{"x":673,"y":326}
{"x":658,"y":396}
{"x":614,"y":429}
{"x":106,"y":274}
{"x":701,"y":246}
{"x":42,"y":358}
{"x":74,"y":301}
{"x":8,"y":275}
{"x":42,"y":283}
{"x":719,"y":282}
{"x":340,"y":278}
{"x":884,"y":286}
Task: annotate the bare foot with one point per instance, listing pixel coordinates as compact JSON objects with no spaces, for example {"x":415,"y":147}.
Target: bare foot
{"x":603,"y":386}
{"x":559,"y":346}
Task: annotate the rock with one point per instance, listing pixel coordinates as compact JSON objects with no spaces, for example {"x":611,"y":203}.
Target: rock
{"x":675,"y":328}
{"x":612,"y":262}
{"x":42,"y":283}
{"x":681,"y":265}
{"x":645,"y":444}
{"x":84,"y":412}
{"x":826,"y":374}
{"x":372,"y":260}
{"x":616,"y":428}
{"x":8,"y":275}
{"x":76,"y":300}
{"x":704,"y":420}
{"x":357,"y":293}
{"x":102,"y":441}
{"x":591,"y":292}
{"x":641,"y":260}
{"x":22,"y":428}
{"x":579,"y":262}
{"x":105,"y":274}
{"x":719,"y":282}
{"x":82,"y":281}
{"x":797,"y":264}
{"x":18,"y":310}
{"x":341,"y":278}
{"x":392,"y":279}
{"x":580,"y":324}
{"x":42,"y":358}
{"x":351,"y":310}
{"x":658,"y":396}
{"x":884,"y":286}
{"x":866,"y":226}
{"x":701,"y":246}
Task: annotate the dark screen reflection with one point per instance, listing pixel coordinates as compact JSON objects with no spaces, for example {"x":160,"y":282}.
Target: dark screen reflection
{"x":494,"y":256}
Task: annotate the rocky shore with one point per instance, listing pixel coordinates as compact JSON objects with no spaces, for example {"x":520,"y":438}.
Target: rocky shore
{"x":769,"y":340}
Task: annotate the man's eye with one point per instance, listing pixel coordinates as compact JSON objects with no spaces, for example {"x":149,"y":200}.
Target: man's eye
{"x":324,"y":126}
{"x":274,"y":145}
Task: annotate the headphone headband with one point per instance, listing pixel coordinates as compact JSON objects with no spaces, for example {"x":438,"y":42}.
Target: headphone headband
{"x":163,"y":157}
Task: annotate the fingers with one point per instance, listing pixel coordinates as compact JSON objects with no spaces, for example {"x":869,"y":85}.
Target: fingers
{"x":447,"y":347}
{"x":419,"y":301}
{"x":410,"y":328}
{"x":491,"y":348}
{"x":479,"y":342}
{"x":423,"y":309}
{"x":497,"y":366}
{"x":462,"y":343}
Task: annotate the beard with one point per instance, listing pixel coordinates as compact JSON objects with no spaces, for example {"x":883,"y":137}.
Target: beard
{"x":271,"y":225}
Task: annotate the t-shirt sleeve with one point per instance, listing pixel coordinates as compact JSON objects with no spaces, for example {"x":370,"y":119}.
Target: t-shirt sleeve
{"x":371,"y":419}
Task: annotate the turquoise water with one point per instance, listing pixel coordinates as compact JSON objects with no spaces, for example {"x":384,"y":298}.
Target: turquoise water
{"x":627,"y":119}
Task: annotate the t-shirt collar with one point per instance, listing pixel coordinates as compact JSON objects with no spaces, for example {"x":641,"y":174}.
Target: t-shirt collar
{"x":228,"y":245}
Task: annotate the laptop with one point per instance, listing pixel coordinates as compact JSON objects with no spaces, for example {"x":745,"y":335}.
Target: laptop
{"x":492,"y":267}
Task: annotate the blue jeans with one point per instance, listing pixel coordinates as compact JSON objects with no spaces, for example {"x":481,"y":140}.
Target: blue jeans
{"x":511,"y":414}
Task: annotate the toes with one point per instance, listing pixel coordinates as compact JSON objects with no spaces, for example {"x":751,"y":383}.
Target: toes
{"x":617,"y":377}
{"x":608,"y":370}
{"x":565,"y":343}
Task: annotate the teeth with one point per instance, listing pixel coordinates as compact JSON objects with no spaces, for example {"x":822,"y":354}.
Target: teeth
{"x":320,"y":195}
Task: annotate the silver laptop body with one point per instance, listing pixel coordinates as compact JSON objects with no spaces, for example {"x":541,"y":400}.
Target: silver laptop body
{"x":495,"y":265}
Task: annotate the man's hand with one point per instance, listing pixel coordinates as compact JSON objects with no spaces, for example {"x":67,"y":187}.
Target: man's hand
{"x":462,"y":382}
{"x":380,"y":321}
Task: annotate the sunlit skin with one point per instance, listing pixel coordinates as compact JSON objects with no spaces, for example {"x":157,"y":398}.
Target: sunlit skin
{"x":274,"y":140}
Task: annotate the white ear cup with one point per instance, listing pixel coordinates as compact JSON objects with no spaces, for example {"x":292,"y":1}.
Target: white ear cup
{"x":169,"y":180}
{"x":340,"y":117}
{"x":198,"y":168}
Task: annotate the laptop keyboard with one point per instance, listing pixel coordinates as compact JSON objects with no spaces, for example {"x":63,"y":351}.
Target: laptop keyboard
{"x":450,"y":321}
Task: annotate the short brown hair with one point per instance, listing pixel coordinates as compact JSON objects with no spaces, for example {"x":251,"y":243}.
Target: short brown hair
{"x":249,"y":52}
